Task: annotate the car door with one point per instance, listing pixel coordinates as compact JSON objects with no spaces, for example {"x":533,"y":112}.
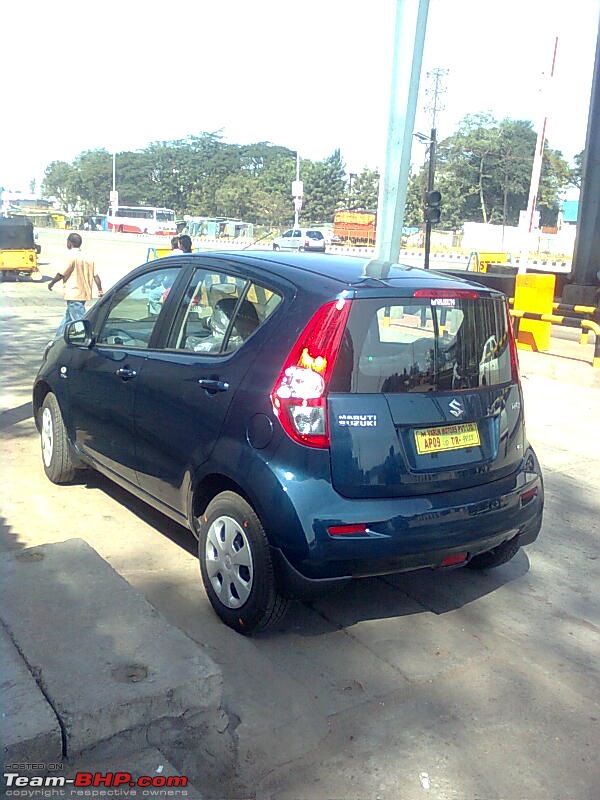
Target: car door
{"x":297,"y":240}
{"x":285,"y":241}
{"x":102,"y":379}
{"x":185,"y":390}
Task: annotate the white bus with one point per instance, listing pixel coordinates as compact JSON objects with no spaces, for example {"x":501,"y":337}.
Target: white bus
{"x":141,"y":219}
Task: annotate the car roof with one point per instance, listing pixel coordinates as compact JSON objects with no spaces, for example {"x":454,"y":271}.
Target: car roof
{"x":322,"y":272}
{"x":348,"y":271}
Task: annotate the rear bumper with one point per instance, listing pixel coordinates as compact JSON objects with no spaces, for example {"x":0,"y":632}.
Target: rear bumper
{"x":411,"y":533}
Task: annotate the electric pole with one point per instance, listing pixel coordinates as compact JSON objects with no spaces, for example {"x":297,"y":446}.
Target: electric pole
{"x":432,"y":197}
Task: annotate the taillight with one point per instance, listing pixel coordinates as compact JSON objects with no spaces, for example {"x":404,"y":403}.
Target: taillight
{"x":299,"y":395}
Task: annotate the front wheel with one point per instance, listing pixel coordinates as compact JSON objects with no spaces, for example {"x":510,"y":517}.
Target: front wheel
{"x":275,"y":247}
{"x":56,"y":453}
{"x":236,"y":565}
{"x":499,"y":555}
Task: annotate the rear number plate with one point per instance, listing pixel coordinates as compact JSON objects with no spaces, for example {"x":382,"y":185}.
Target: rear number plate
{"x":450,"y":437}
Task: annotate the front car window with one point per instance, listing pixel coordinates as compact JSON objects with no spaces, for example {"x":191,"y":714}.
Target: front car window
{"x":135,"y":308}
{"x":219,"y":312}
{"x":424,"y":345}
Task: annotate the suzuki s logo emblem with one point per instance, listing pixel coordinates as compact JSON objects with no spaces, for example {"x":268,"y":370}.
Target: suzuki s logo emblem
{"x":456,"y":408}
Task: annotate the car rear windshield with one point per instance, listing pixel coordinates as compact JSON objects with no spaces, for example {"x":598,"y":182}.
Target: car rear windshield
{"x":423,"y":345}
{"x":314,"y":234}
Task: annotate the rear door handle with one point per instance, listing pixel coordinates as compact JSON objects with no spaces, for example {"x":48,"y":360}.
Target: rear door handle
{"x":126,"y":373}
{"x":213,"y":385}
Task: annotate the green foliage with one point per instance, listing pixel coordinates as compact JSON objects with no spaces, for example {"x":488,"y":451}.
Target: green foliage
{"x":323,"y":188}
{"x":576,"y":172}
{"x":58,"y":182}
{"x":363,"y":191}
{"x":483,"y":172}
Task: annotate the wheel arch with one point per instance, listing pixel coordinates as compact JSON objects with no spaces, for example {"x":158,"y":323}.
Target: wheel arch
{"x":208,"y":487}
{"x":279,"y":519}
{"x":40,"y":390}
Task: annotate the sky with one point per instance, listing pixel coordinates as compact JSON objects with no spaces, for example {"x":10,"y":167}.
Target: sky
{"x":311,"y":75}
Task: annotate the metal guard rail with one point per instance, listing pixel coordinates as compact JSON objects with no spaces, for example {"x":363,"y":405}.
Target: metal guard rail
{"x":569,"y":322}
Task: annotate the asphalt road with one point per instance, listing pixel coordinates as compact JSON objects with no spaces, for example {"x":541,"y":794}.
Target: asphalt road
{"x":454,"y":685}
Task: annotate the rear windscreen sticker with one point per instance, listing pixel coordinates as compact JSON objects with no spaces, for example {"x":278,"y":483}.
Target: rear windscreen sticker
{"x":357,"y":420}
{"x":443,"y":301}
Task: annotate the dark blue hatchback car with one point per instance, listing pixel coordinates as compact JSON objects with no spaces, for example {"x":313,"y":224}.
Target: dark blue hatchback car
{"x":311,"y":418}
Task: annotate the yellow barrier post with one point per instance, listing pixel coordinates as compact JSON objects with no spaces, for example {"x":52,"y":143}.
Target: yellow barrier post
{"x":534,"y":293}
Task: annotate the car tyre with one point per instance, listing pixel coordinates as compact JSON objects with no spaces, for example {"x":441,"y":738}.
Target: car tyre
{"x":275,"y":247}
{"x":300,"y":249}
{"x":236,"y":566}
{"x":58,"y":462}
{"x":499,"y":555}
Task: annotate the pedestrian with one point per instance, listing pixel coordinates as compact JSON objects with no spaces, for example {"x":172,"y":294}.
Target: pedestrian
{"x":175,"y":246}
{"x":185,"y":243}
{"x":77,"y":280}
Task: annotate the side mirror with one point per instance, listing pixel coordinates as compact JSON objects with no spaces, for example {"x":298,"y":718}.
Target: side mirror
{"x":79,"y":333}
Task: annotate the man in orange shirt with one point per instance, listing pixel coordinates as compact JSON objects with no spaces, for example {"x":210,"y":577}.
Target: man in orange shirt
{"x":77,"y":279}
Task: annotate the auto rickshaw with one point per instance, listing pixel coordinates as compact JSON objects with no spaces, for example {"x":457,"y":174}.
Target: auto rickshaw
{"x":18,"y":248}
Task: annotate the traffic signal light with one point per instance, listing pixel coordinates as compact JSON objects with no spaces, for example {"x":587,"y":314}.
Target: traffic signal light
{"x":433,"y":211}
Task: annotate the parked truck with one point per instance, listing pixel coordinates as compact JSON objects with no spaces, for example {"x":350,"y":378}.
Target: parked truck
{"x":354,"y":227}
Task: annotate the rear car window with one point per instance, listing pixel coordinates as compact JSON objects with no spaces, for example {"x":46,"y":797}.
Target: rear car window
{"x":424,"y":345}
{"x":314,"y":234}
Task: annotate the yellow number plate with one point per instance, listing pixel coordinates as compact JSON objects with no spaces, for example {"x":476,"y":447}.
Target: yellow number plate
{"x":450,"y":437}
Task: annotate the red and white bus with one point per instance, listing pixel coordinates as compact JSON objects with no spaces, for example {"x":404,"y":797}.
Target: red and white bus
{"x":141,"y":219}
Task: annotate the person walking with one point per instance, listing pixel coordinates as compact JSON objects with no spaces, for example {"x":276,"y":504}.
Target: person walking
{"x":78,"y":279}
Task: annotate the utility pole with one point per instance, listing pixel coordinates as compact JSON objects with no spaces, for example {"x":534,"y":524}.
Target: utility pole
{"x":432,"y":198}
{"x":429,"y":196}
{"x":534,"y":185}
{"x":297,"y":192}
{"x":409,"y":38}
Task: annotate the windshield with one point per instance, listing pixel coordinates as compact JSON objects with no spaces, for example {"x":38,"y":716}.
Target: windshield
{"x":424,"y":345}
{"x":162,"y":215}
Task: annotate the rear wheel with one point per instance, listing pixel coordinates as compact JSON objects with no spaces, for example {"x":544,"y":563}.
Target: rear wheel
{"x":499,"y":555}
{"x":56,"y":453}
{"x":300,"y":249}
{"x":236,"y":565}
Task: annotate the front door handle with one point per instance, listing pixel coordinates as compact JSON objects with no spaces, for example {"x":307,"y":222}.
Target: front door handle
{"x":126,"y":373}
{"x":213,"y":385}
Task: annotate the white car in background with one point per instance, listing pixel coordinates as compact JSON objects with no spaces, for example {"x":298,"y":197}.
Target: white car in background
{"x":301,"y":239}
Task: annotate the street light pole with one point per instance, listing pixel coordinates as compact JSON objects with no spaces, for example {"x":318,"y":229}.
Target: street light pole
{"x":297,"y":192}
{"x":430,"y":178}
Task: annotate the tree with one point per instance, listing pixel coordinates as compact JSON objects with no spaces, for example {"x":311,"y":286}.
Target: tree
{"x":485,"y":169}
{"x":576,"y":172}
{"x":323,"y":188}
{"x":92,"y":180}
{"x":58,"y":182}
{"x":363,"y":191}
